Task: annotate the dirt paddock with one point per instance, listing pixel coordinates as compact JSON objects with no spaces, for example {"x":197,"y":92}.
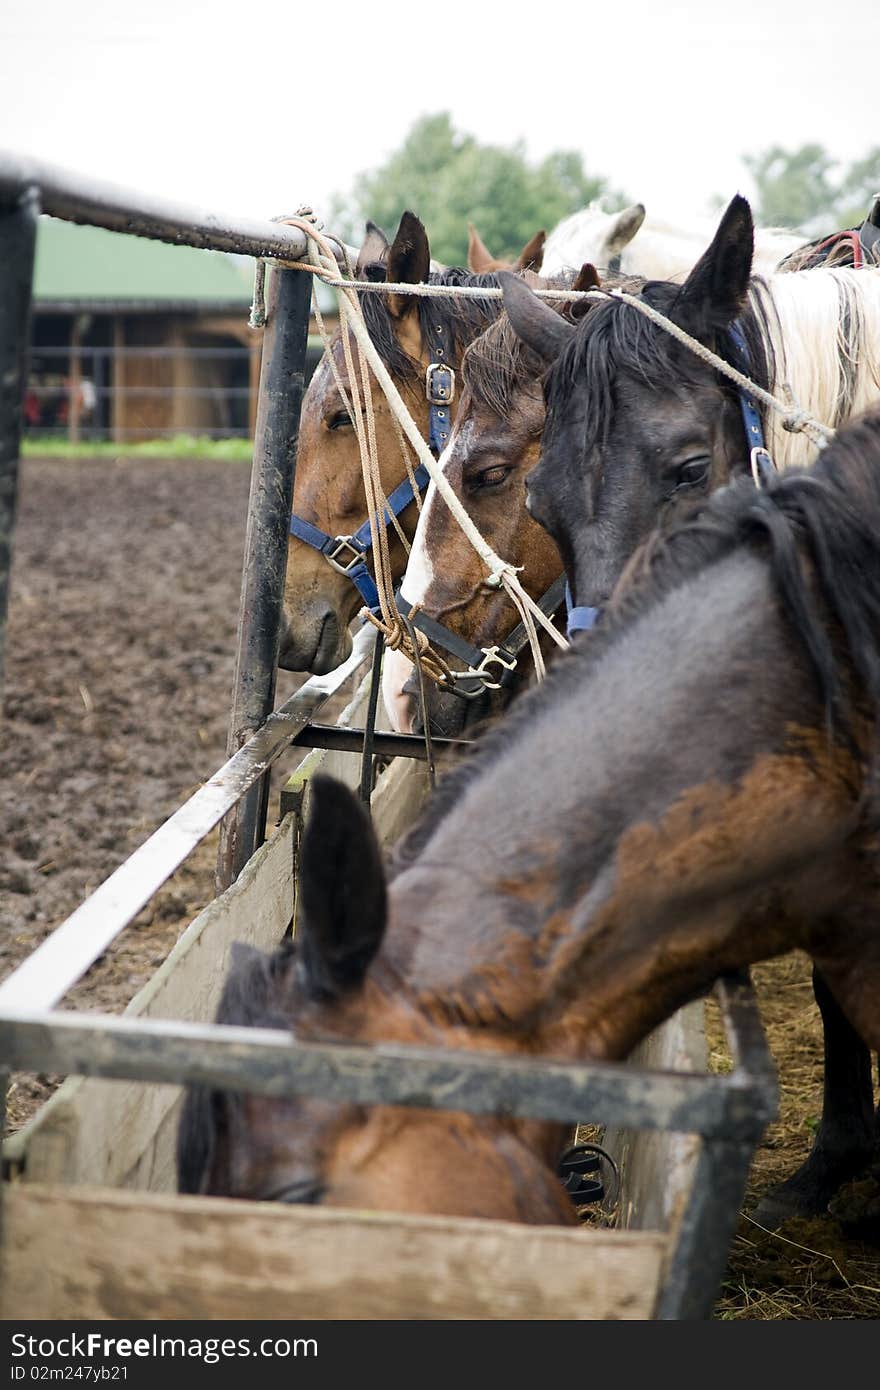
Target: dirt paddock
{"x":119,"y":661}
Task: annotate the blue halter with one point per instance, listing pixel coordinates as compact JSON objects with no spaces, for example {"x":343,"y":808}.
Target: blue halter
{"x":763,"y":467}
{"x":582,"y":619}
{"x":578,"y":618}
{"x":349,"y":554}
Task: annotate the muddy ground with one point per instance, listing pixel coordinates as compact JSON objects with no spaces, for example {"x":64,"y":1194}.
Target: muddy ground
{"x":119,"y":665}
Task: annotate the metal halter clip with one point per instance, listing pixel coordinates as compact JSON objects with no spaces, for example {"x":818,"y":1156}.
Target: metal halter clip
{"x":439,"y":384}
{"x":342,"y":543}
{"x":763,"y":467}
{"x":491,"y":657}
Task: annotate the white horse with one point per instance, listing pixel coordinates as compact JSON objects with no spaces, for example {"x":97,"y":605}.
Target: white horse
{"x":657,"y":250}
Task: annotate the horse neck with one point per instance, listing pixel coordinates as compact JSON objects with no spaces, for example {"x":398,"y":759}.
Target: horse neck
{"x":822,"y":331}
{"x":628,"y":851}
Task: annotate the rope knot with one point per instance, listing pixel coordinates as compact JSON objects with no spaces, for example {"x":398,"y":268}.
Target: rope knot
{"x":795,"y":420}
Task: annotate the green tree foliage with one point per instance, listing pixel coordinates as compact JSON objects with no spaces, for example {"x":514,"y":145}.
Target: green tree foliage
{"x":806,"y":188}
{"x":448,"y":179}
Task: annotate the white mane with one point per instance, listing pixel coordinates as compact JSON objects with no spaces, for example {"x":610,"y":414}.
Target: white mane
{"x":656,"y":249}
{"x":823,"y":329}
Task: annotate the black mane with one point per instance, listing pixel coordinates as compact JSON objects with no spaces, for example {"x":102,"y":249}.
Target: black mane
{"x":615,"y":337}
{"x":249,"y":1000}
{"x":461,"y":318}
{"x":498,"y":366}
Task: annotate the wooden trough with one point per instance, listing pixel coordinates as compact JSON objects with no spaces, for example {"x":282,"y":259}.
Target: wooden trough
{"x":93,"y":1227}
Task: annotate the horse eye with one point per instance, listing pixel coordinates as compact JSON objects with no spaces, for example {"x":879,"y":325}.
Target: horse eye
{"x":339,"y":421}
{"x":693,"y":473}
{"x":490,"y":477}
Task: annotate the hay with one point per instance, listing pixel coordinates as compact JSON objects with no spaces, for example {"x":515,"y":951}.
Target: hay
{"x":809,"y":1269}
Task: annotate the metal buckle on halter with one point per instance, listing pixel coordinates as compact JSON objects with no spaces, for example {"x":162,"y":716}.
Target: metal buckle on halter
{"x":491,"y":657}
{"x":763,"y":467}
{"x":341,"y":543}
{"x":439,"y":384}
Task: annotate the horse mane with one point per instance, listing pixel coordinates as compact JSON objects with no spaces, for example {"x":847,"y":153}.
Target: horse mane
{"x":498,"y":366}
{"x":249,"y":999}
{"x":615,"y":338}
{"x":817,"y":333}
{"x":828,"y":515}
{"x":460,"y":318}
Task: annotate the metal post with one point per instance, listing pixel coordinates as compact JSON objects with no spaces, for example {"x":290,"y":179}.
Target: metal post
{"x":18,"y":229}
{"x":282,"y":379}
{"x":707,"y":1226}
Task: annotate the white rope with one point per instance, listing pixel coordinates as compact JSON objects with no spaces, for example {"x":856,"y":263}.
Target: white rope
{"x":792,"y":418}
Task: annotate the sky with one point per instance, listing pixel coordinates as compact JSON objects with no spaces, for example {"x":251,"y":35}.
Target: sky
{"x":256,"y":110}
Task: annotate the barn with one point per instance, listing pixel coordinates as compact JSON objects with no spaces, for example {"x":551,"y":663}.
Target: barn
{"x":135,"y":339}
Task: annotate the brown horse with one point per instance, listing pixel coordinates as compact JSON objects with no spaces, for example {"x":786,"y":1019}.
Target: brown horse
{"x":701,"y":781}
{"x":494,"y":446}
{"x":481,"y":261}
{"x":410,"y":333}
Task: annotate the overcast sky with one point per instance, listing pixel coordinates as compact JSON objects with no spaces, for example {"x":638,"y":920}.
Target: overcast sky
{"x":255,"y":109}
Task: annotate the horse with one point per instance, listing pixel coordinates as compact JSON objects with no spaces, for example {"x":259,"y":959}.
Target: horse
{"x":702,"y":795}
{"x":493,"y":446}
{"x":327,"y":578}
{"x":632,"y":243}
{"x":481,"y":261}
{"x":638,"y":427}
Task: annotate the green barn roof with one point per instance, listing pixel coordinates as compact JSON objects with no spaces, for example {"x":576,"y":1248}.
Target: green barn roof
{"x":90,"y":267}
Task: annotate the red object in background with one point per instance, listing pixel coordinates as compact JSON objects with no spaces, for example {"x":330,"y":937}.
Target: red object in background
{"x":31,"y":408}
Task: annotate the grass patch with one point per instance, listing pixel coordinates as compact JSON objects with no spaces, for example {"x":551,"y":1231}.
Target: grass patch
{"x":184,"y":446}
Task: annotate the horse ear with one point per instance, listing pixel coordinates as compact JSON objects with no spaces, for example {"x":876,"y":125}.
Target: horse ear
{"x":623,"y":229}
{"x":587,"y":278}
{"x":544,"y":331}
{"x":409,"y":263}
{"x":342,"y":892}
{"x":373,"y":251}
{"x":532,"y":254}
{"x":479,"y":258}
{"x":714,"y":292}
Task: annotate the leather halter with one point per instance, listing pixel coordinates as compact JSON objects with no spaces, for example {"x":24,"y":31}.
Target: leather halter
{"x":760,"y":458}
{"x":479,"y":660}
{"x":349,"y":554}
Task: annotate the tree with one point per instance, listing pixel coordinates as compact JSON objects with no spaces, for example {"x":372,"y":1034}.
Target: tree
{"x":448,"y":178}
{"x":805,"y":188}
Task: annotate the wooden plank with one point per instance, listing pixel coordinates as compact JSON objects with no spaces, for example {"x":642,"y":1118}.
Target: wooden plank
{"x":123,"y":1133}
{"x":657,"y":1166}
{"x":97,"y":1255}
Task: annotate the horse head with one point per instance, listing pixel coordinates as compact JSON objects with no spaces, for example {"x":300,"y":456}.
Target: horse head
{"x":638,"y":428}
{"x":340,"y":981}
{"x":329,"y":505}
{"x":494,"y":445}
